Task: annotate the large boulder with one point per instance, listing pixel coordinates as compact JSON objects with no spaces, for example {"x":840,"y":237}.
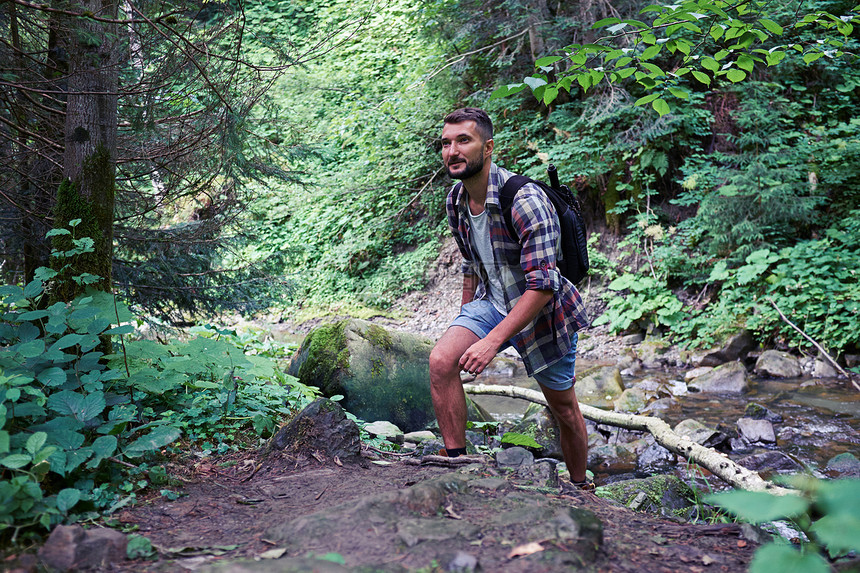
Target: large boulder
{"x":382,"y":375}
{"x":729,"y":378}
{"x":777,"y":364}
{"x":321,"y":427}
{"x":599,"y":386}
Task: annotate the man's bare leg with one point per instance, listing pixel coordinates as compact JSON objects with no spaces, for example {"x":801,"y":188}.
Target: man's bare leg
{"x":572,"y":431}
{"x":446,"y":389}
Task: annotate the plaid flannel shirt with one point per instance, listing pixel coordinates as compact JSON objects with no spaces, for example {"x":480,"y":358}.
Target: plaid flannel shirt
{"x":548,"y":338}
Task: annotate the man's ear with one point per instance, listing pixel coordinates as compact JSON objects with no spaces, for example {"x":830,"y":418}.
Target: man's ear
{"x":488,"y":147}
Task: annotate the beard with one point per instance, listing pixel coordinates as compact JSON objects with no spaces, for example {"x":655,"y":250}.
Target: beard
{"x":472,"y":167}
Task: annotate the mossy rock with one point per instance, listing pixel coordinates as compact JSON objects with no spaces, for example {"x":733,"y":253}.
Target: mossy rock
{"x":382,"y":375}
{"x":663,"y":495}
{"x":599,"y":386}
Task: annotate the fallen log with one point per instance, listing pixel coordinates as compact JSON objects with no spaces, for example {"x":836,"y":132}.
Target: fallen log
{"x":717,"y":463}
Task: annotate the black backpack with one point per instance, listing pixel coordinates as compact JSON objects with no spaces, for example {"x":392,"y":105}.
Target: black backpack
{"x":573,"y":263}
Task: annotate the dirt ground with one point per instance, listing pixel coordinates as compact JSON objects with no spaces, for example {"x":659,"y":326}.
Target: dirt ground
{"x":228,"y":505}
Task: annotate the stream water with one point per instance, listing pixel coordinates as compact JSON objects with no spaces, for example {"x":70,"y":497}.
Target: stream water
{"x":821,"y":417}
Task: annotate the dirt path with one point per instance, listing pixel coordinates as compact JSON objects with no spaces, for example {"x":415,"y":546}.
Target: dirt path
{"x":230,"y":507}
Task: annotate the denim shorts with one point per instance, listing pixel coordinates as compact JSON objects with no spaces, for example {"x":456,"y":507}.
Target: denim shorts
{"x":480,"y":316}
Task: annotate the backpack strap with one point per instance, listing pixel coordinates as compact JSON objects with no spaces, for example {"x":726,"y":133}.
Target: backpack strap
{"x":506,"y":199}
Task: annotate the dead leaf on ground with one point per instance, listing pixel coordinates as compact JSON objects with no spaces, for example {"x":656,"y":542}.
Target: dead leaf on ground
{"x":449,"y":512}
{"x":525,"y":549}
{"x":338,"y":462}
{"x":273,"y":553}
{"x":707,"y":560}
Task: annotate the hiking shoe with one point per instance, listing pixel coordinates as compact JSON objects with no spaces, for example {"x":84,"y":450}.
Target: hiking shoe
{"x":575,"y":486}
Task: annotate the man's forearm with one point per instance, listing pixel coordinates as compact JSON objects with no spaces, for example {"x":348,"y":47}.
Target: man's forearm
{"x":470,"y":286}
{"x":523,"y":313}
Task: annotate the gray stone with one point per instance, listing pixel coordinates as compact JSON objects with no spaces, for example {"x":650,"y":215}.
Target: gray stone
{"x":71,"y":547}
{"x":733,"y":349}
{"x":696,"y":372}
{"x":631,"y":400}
{"x":757,"y":431}
{"x":419,"y":437}
{"x":515,"y":458}
{"x":770,"y":461}
{"x":730,"y":378}
{"x":632,"y":339}
{"x":383,"y":375}
{"x":845,"y":465}
{"x":655,"y":458}
{"x":662,"y":406}
{"x":413,"y":531}
{"x":599,"y":386}
{"x":321,"y":427}
{"x":823,"y":369}
{"x":383,"y":429}
{"x":695,"y":430}
{"x":778,"y":364}
{"x":463,"y":562}
{"x":759,"y":412}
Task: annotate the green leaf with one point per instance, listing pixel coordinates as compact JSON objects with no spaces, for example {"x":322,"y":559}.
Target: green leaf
{"x":716,"y":32}
{"x":773,"y":58}
{"x":771,"y":26}
{"x":719,"y":272}
{"x":546,"y":61}
{"x":810,"y":57}
{"x":840,"y":533}
{"x":83,"y":408}
{"x":605,"y":22}
{"x":67,"y":341}
{"x":16,"y":461}
{"x":67,"y":498}
{"x":33,"y":315}
{"x":679,"y":93}
{"x":55,"y":232}
{"x":103,"y":447}
{"x":736,"y":75}
{"x":759,"y":507}
{"x":661,"y":107}
{"x":550,"y":94}
{"x":156,"y":439}
{"x":710,"y":64}
{"x":746,"y":63}
{"x":53,"y":376}
{"x":33,"y":289}
{"x":31,"y":349}
{"x":520,"y":440}
{"x":35,"y":442}
{"x":4,"y":442}
{"x":651,"y":51}
{"x":702,"y":78}
{"x":646,"y":99}
{"x":128,"y":328}
{"x":786,"y":559}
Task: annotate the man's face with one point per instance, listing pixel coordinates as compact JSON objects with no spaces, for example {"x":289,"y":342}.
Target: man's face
{"x":463,"y":149}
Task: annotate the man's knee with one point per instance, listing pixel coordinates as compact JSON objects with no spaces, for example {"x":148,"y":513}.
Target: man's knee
{"x":442,"y":360}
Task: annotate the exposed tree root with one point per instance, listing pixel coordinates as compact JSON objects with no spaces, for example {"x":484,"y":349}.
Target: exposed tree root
{"x":718,"y":464}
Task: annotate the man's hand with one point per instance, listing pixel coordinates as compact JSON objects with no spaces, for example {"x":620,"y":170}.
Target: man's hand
{"x":477,"y":356}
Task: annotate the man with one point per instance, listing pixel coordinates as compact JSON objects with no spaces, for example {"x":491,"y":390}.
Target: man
{"x":512,"y":292}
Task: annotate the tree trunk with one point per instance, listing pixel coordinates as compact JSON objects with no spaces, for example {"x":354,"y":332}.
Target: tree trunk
{"x":718,"y":464}
{"x":89,"y":161}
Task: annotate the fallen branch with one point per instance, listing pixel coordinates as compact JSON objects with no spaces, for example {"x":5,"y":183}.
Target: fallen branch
{"x":445,"y":460}
{"x":718,"y":464}
{"x":820,"y":348}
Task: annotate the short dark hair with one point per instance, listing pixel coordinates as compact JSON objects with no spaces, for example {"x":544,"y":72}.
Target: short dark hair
{"x":479,"y":116}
